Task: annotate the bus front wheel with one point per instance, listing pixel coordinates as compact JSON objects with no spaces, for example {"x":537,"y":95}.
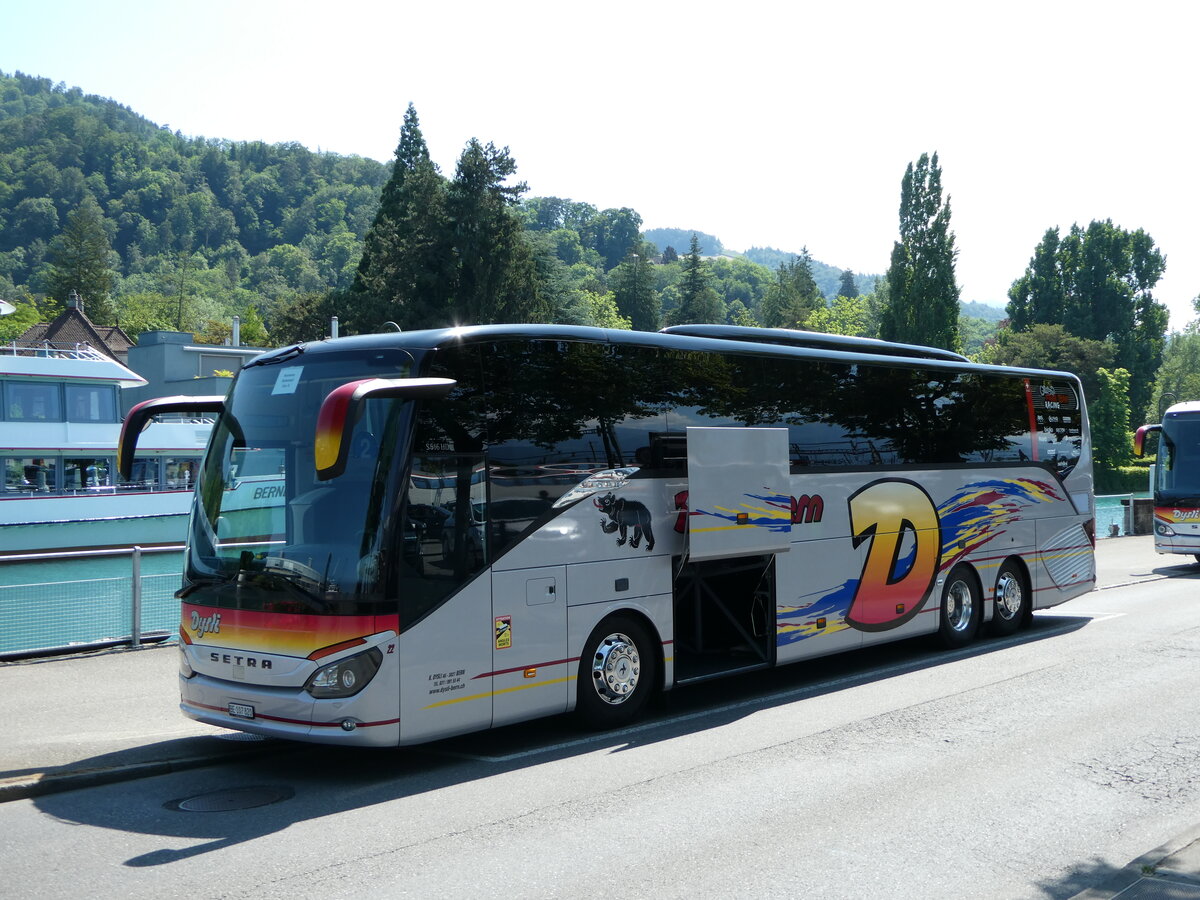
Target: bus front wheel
{"x":617,"y":673}
{"x":1010,"y":603}
{"x":962,"y":608}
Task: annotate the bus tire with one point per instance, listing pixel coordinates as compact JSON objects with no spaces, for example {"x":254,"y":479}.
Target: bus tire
{"x":962,"y":608}
{"x":617,"y":673}
{"x":1010,"y":601}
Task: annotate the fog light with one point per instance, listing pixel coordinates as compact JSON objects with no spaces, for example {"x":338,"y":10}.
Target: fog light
{"x":348,"y":725}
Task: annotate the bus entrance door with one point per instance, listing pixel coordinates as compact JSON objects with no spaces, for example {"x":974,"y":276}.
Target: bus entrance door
{"x":738,"y":521}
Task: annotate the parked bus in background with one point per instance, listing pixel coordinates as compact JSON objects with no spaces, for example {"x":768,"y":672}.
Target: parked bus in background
{"x":1176,"y":479}
{"x":469,"y":527}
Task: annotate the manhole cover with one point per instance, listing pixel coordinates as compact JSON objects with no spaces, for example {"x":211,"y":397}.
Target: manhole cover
{"x":233,"y":799}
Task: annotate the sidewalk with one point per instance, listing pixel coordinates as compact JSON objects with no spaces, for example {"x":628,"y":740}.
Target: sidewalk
{"x":79,"y":721}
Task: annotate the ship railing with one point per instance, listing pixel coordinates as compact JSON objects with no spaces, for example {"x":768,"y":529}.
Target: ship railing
{"x":58,"y":617}
{"x":52,"y":349}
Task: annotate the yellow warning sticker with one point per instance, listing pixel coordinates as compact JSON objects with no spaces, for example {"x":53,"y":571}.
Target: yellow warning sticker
{"x":503,"y":632}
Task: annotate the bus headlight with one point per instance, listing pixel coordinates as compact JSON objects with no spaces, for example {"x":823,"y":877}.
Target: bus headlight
{"x":346,"y":677}
{"x":1165,"y":530}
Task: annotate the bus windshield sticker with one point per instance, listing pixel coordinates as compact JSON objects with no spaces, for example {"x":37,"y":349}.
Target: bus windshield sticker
{"x":287,"y":380}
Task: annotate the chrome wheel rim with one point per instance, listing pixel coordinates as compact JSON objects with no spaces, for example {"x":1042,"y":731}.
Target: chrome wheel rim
{"x":1008,"y":596}
{"x":960,"y":606}
{"x":616,"y":667}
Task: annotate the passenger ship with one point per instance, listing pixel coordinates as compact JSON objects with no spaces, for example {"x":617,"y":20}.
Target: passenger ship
{"x":60,"y":418}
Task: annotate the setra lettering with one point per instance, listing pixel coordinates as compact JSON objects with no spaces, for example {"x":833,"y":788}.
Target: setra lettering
{"x":233,"y":659}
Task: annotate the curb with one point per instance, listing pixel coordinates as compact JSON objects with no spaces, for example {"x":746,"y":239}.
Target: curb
{"x":55,"y":782}
{"x":1147,"y":868}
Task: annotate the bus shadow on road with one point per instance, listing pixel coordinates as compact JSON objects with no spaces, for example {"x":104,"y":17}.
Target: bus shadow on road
{"x":1186,"y":570}
{"x":311,"y":782}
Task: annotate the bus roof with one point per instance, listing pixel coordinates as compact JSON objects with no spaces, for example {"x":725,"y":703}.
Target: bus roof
{"x":790,"y":337}
{"x":1187,"y":407}
{"x":714,"y":338}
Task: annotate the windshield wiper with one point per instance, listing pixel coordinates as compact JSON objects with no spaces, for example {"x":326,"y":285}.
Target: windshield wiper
{"x":277,"y":357}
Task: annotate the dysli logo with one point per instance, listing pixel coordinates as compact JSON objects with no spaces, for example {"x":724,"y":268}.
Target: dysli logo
{"x":203,"y":625}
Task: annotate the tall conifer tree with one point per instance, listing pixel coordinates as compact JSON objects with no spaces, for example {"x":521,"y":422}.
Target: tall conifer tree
{"x":794,"y":296}
{"x":79,"y":261}
{"x":922,"y":289}
{"x":406,"y":271}
{"x":698,"y":302}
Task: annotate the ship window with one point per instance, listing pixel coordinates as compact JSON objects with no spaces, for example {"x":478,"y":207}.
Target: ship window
{"x":181,"y":471}
{"x":91,"y":403}
{"x":144,"y":476}
{"x":33,"y":401}
{"x":31,"y":474}
{"x":87,"y":474}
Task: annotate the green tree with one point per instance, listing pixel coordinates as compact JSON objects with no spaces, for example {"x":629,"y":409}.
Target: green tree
{"x":406,"y":271}
{"x":1038,"y":295}
{"x":1099,"y":283}
{"x":306,"y":316}
{"x":603,"y":311}
{"x":79,"y":261}
{"x":739,"y":314}
{"x":976,"y":333}
{"x":1112,"y":445}
{"x":847,"y":286}
{"x":144,"y":311}
{"x":496,"y":279}
{"x":1178,"y":378}
{"x":848,"y":315}
{"x":1052,"y":347}
{"x":633,"y":290}
{"x":24,"y":317}
{"x":793,"y":297}
{"x":923,"y":291}
{"x":698,"y":302}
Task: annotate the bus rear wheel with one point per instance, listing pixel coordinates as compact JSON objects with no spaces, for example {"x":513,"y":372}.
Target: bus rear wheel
{"x":962,"y":608}
{"x":617,"y":672}
{"x":1010,"y":603}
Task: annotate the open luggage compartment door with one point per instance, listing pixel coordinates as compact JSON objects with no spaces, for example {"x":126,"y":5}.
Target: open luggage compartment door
{"x":738,"y":501}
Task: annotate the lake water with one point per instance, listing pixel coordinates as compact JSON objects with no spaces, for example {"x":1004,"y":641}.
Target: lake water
{"x":75,"y":602}
{"x":1110,"y":512}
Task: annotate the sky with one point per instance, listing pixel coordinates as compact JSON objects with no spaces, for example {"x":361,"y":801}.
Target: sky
{"x":768,"y":124}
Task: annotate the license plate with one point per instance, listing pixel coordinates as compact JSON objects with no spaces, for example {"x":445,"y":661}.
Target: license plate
{"x":241,"y":710}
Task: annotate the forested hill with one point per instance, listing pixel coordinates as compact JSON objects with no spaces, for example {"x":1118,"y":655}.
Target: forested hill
{"x":241,"y":216}
{"x":160,"y":230}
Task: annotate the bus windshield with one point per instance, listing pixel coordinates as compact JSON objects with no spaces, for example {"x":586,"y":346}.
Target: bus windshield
{"x":264,"y":526}
{"x":1179,"y":457}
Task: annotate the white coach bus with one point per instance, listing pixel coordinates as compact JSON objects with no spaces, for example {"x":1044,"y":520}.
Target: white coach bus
{"x":470,"y":527}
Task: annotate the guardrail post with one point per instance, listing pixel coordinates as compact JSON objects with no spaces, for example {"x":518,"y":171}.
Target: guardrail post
{"x":135,"y":633}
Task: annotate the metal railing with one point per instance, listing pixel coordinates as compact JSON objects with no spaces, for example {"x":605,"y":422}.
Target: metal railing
{"x":48,"y":618}
{"x":55,"y":349}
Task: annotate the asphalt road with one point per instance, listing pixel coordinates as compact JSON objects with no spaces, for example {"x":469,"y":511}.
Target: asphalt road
{"x":1027,"y":767}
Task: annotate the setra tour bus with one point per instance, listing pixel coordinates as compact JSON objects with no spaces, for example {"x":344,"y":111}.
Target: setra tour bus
{"x":403,"y":537}
{"x":1176,"y":479}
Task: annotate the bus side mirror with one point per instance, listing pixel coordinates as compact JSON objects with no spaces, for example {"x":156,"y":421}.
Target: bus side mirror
{"x":1139,"y":439}
{"x":139,"y":417}
{"x":339,"y":411}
